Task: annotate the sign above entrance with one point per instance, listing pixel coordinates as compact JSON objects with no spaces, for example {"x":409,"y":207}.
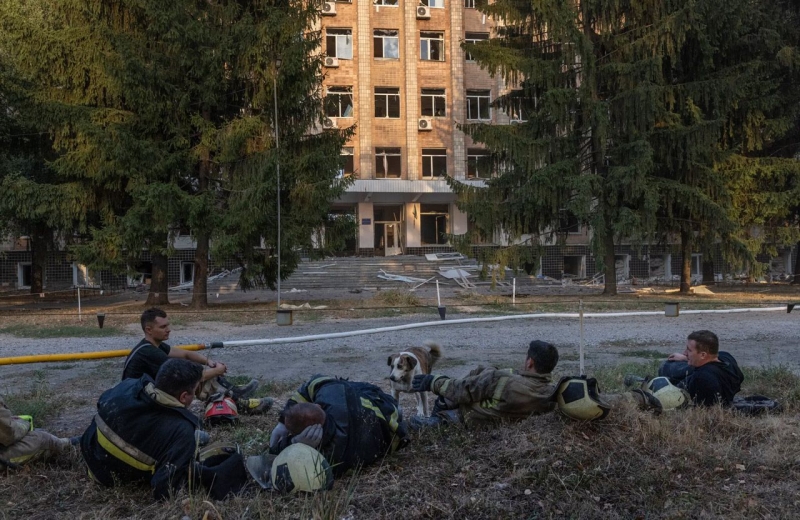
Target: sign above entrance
{"x":366,"y":221}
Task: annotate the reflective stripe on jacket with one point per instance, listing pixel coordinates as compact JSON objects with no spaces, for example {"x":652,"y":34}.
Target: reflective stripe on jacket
{"x":140,"y":434}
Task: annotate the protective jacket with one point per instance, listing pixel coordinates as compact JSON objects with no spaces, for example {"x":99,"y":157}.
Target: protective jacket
{"x":141,"y":434}
{"x":491,"y":395}
{"x":716,"y":382}
{"x":362,"y":422}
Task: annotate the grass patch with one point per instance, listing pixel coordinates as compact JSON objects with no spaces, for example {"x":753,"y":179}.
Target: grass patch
{"x":696,"y":463}
{"x":38,"y":402}
{"x":397,"y":298}
{"x":648,"y":354}
{"x":610,"y":378}
{"x":60,"y":331}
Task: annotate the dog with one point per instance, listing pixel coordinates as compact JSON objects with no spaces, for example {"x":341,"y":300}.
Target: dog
{"x":407,"y":364}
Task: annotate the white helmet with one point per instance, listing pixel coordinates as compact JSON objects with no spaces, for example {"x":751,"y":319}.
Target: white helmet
{"x":670,"y":396}
{"x":579,"y":398}
{"x":301,"y":468}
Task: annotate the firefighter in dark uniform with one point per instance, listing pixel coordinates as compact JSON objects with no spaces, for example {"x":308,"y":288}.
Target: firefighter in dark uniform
{"x":352,"y":424}
{"x":144,"y":432}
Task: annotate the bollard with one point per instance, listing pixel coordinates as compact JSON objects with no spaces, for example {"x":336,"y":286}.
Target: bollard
{"x":442,"y":311}
{"x":284,"y":316}
{"x":101,"y":317}
{"x":672,"y":309}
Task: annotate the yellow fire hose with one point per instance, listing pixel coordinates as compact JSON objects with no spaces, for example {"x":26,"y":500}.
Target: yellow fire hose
{"x":79,"y":356}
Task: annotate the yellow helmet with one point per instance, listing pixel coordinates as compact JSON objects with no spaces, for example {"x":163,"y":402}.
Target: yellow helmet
{"x":579,"y":398}
{"x":301,"y":468}
{"x":670,"y":396}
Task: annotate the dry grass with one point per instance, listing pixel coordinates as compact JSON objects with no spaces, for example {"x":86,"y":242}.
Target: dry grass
{"x":702,"y":463}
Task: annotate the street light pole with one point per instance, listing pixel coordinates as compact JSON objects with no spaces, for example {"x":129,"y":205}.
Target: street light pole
{"x":277,"y":168}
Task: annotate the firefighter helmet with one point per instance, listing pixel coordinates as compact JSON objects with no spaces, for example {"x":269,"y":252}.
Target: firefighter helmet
{"x":579,"y":398}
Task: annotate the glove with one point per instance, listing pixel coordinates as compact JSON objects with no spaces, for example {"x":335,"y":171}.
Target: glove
{"x":311,"y":436}
{"x":424,"y":382}
{"x":278,"y":436}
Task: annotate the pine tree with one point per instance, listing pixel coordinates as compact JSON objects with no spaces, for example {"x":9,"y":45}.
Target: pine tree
{"x":624,"y":122}
{"x":33,"y":203}
{"x":169,"y":116}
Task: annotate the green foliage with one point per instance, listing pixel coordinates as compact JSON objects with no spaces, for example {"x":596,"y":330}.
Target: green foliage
{"x":164,"y":113}
{"x":630,"y":109}
{"x":89,"y":330}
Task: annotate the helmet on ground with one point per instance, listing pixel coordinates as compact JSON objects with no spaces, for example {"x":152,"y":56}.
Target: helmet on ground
{"x":221,"y":409}
{"x":670,"y":396}
{"x":300,"y":468}
{"x":579,"y":398}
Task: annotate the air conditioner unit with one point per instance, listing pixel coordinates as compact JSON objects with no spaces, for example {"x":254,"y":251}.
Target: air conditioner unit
{"x":331,"y":62}
{"x":329,"y":9}
{"x":423,"y":13}
{"x":329,"y":123}
{"x":425,"y":123}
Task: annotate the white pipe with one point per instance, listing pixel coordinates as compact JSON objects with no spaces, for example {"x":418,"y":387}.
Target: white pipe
{"x":80,"y":317}
{"x":438,"y":299}
{"x":332,"y":335}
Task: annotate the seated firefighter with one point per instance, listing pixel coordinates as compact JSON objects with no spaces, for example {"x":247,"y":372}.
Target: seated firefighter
{"x":488,"y":396}
{"x":20,"y":444}
{"x":144,"y":432}
{"x":148,"y":356}
{"x":352,"y":424}
{"x":709,"y":376}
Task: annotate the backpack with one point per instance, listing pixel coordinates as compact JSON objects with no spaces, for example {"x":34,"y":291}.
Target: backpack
{"x":755,"y":405}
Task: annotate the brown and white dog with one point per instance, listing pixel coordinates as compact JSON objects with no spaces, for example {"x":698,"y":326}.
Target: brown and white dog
{"x":407,"y":364}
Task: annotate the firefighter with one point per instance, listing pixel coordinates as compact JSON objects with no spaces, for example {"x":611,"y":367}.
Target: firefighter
{"x":350,"y":423}
{"x":144,"y":432}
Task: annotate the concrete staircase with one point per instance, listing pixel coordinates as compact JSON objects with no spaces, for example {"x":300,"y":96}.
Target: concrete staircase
{"x":347,"y":273}
{"x":350,"y":273}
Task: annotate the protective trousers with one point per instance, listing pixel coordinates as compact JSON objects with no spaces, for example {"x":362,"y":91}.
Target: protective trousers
{"x":36,"y":444}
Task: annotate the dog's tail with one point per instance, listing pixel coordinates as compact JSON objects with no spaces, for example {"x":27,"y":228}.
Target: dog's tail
{"x":435,"y":349}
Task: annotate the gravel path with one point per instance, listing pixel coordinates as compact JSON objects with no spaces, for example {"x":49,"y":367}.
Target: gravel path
{"x":755,"y":339}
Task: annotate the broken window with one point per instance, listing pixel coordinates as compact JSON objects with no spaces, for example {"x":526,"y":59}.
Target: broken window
{"x":386,"y":43}
{"x":478,"y":108}
{"x":434,"y":220}
{"x":434,"y":162}
{"x":479,"y":165}
{"x":387,"y":163}
{"x":387,"y":102}
{"x":339,"y":102}
{"x":431,"y":46}
{"x":339,"y":43}
{"x":433,"y":102}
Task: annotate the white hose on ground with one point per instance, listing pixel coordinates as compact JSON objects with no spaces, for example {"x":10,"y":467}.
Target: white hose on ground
{"x":301,"y":339}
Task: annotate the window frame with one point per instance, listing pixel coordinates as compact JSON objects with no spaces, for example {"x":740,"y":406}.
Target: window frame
{"x":425,"y":40}
{"x":430,"y":156}
{"x":467,"y":56}
{"x":386,"y":104}
{"x":478,"y":95}
{"x":475,"y":159}
{"x":346,"y":32}
{"x":347,"y":151}
{"x":427,"y":3}
{"x":383,"y":39}
{"x":469,"y":4}
{"x":383,"y":3}
{"x":435,"y":96}
{"x":331,"y":92}
{"x":386,"y":152}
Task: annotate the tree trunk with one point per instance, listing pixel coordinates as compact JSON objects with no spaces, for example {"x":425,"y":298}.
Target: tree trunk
{"x":686,"y":261}
{"x":202,"y":235}
{"x":609,"y":259}
{"x":708,"y":271}
{"x":796,"y":273}
{"x":159,"y":282}
{"x":39,"y":240}
{"x":200,"y":286}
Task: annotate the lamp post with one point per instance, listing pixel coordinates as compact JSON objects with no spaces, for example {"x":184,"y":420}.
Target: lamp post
{"x":277,"y":168}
